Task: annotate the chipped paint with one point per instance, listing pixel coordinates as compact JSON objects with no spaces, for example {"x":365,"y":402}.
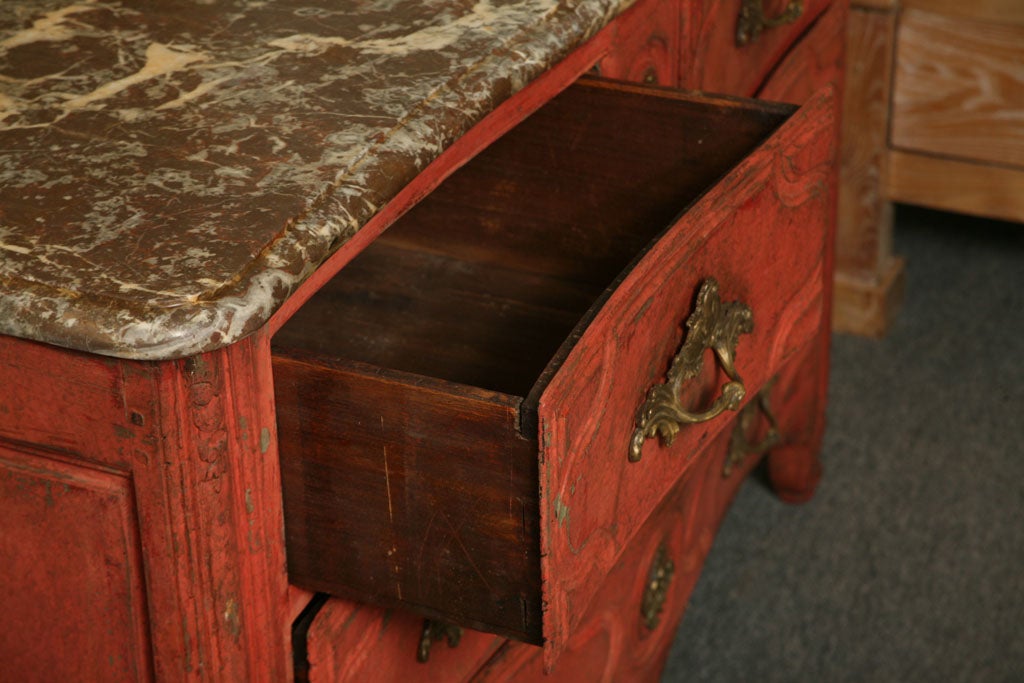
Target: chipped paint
{"x":264,"y":440}
{"x":168,"y":179}
{"x":232,"y":619}
{"x":561,"y":512}
{"x":123,"y":432}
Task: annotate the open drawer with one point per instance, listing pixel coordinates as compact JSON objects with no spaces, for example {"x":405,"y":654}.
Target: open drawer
{"x":457,"y":408}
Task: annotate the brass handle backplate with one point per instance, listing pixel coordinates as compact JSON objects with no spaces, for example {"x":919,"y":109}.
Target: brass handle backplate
{"x":740,"y":448}
{"x":433,"y":631}
{"x":712,"y":325}
{"x":656,"y":591}
{"x":752,"y":21}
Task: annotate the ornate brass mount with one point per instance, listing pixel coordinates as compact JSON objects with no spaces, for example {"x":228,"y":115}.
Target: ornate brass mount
{"x":752,"y":21}
{"x":434,"y":631}
{"x":739,"y":447}
{"x":658,"y":580}
{"x":712,"y":325}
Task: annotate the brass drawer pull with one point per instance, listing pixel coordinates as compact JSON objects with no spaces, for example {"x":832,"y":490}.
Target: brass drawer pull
{"x":433,"y":631}
{"x":712,"y":325}
{"x":752,"y":20}
{"x":740,"y":448}
{"x":656,"y":592}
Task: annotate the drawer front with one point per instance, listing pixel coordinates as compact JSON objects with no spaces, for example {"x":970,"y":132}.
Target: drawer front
{"x":646,"y":48}
{"x":627,"y":632}
{"x":815,"y":61}
{"x":350,"y":642}
{"x":717,"y":62}
{"x":959,"y":88}
{"x":762,"y":232}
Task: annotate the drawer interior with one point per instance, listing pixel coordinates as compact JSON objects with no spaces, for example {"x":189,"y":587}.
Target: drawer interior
{"x":484,"y":280}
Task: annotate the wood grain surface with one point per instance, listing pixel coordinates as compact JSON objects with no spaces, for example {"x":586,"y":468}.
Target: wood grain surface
{"x":959,"y":88}
{"x":952,"y":185}
{"x":868,"y":277}
{"x":996,"y":11}
{"x":864,"y":225}
{"x":400,"y":491}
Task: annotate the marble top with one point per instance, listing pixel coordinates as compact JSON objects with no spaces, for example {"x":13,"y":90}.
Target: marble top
{"x":170,"y":171}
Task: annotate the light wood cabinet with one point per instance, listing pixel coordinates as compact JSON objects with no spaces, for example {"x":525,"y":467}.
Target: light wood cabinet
{"x":932,"y":117}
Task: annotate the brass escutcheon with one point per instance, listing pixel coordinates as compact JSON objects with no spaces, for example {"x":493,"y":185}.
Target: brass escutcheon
{"x":712,"y":325}
{"x":752,"y":21}
{"x":656,"y":592}
{"x":433,"y":631}
{"x":740,"y":448}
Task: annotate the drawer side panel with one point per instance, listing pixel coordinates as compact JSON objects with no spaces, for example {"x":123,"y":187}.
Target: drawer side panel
{"x":401,"y":493}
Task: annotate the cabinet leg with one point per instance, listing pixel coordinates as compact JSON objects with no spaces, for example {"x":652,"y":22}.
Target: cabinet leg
{"x":798,"y":397}
{"x":869,"y":278}
{"x":794,"y":471}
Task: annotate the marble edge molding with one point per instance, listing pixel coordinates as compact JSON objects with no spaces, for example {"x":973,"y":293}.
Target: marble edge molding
{"x":190,"y":326}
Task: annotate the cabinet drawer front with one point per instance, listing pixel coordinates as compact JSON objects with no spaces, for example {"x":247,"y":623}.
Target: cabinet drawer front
{"x":350,"y":642}
{"x":959,"y":88}
{"x":716,"y":62}
{"x":436,"y":397}
{"x":761,"y":232}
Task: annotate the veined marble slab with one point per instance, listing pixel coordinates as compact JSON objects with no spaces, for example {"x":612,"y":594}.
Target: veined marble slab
{"x":171,"y":171}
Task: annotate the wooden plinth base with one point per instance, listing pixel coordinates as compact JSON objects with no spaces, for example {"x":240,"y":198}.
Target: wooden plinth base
{"x":866,"y":306}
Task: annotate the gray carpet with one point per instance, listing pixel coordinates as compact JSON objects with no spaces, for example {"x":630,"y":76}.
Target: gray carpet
{"x":909,"y":563}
